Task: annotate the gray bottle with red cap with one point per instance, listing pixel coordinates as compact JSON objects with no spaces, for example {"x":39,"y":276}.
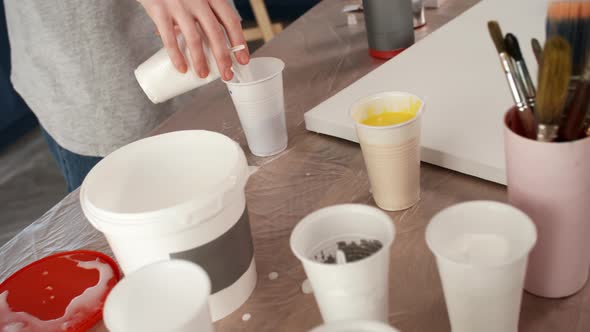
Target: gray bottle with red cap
{"x":390,"y":27}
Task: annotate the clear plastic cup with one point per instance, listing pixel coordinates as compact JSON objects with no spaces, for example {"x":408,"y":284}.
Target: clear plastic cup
{"x":391,"y":153}
{"x":356,"y":290}
{"x":481,"y":250}
{"x":165,"y":296}
{"x":261,"y":106}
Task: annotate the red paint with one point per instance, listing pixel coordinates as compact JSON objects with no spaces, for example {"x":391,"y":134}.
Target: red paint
{"x":28,"y":288}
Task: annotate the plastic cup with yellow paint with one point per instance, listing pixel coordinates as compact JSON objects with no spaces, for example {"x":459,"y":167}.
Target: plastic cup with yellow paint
{"x":388,"y":128}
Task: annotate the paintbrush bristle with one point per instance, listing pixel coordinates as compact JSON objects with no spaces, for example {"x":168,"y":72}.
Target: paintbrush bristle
{"x":554,"y":77}
{"x":571,"y":20}
{"x":496,"y":34}
{"x":513,"y":47}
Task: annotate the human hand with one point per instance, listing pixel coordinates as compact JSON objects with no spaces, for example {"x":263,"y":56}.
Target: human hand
{"x":211,"y":15}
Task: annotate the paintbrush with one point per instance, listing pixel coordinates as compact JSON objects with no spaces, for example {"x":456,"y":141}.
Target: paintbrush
{"x":573,"y":126}
{"x":571,"y":20}
{"x":537,"y":50}
{"x":522,"y":72}
{"x":554,"y":77}
{"x":525,"y":114}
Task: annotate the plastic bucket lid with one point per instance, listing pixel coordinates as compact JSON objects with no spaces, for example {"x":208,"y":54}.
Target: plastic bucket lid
{"x":61,"y":292}
{"x":182,"y":177}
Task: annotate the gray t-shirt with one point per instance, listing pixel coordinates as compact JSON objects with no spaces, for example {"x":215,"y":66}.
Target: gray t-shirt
{"x":73,"y":62}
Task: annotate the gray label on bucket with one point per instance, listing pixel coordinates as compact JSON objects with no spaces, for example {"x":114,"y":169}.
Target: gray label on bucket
{"x":227,"y":257}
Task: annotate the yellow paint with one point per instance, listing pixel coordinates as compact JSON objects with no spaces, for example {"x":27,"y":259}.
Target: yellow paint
{"x":389,"y":117}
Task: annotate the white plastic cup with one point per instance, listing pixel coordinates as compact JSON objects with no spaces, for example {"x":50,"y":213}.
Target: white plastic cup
{"x":391,"y":153}
{"x":179,"y":195}
{"x":161,"y":81}
{"x":355,"y":326}
{"x":260,"y":104}
{"x":165,"y":296}
{"x":481,"y":250}
{"x":357,"y":290}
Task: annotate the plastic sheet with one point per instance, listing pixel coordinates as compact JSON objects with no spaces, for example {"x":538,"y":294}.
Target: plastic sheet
{"x":62,"y":228}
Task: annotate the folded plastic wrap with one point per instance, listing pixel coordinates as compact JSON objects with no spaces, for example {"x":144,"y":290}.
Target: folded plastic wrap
{"x":62,"y":228}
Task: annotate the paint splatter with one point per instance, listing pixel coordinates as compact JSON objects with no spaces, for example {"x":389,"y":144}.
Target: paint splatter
{"x":306,"y":287}
{"x":49,"y":288}
{"x":246,"y":317}
{"x":273,"y":275}
{"x":87,"y":302}
{"x":14,"y":327}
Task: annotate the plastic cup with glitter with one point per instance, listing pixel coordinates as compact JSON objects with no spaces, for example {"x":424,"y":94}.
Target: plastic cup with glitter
{"x":345,"y":252}
{"x":388,"y":128}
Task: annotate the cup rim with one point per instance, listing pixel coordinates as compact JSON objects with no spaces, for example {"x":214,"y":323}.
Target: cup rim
{"x":386,"y":93}
{"x":311,"y":217}
{"x":143,"y":271}
{"x":352,"y":323}
{"x":271,"y":76}
{"x":525,"y":219}
{"x":519,"y":137}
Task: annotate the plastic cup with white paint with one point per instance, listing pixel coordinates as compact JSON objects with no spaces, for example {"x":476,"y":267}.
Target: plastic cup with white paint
{"x":353,"y":290}
{"x":391,"y":152}
{"x":164,"y":296}
{"x":481,"y":250}
{"x":161,"y":81}
{"x":259,"y":100}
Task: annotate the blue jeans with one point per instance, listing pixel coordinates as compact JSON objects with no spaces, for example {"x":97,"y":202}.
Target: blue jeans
{"x":74,"y":167}
{"x":15,"y":117}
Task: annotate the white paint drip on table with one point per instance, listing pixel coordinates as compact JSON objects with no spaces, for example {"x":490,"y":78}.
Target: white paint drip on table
{"x":88,"y":301}
{"x":273,"y":275}
{"x":246,"y":317}
{"x":306,"y":287}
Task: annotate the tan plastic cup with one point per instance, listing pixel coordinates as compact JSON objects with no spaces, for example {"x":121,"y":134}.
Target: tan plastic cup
{"x":391,"y":153}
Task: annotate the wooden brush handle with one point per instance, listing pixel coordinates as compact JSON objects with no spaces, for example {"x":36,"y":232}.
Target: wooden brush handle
{"x":573,"y":127}
{"x":528,"y":122}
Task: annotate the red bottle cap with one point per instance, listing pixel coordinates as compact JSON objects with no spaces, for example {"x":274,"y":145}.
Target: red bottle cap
{"x":385,"y":55}
{"x":61,"y":292}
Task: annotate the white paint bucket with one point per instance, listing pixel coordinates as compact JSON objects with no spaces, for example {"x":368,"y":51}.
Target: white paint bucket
{"x":178,"y":196}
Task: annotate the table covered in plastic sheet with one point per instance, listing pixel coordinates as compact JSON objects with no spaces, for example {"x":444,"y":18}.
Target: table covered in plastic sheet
{"x":323,"y":55}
